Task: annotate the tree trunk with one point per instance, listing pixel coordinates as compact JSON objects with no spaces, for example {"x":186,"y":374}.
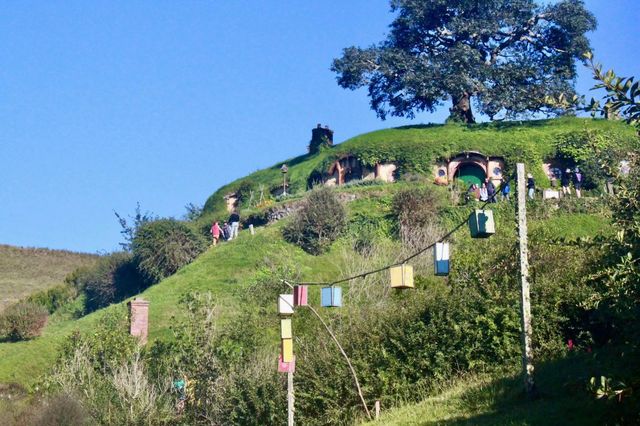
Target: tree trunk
{"x":461,"y":109}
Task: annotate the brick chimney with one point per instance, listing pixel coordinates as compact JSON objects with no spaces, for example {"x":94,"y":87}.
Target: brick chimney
{"x":320,"y":136}
{"x":139,"y":316}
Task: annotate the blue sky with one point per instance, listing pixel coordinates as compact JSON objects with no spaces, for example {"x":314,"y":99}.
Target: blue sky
{"x":107,"y":103}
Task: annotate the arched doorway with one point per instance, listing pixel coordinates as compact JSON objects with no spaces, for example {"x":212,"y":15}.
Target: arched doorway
{"x":470,"y":173}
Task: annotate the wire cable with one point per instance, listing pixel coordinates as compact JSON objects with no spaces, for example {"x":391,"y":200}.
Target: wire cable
{"x":492,"y":199}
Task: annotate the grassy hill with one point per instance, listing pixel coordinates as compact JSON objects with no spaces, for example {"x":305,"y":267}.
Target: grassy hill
{"x":24,"y":271}
{"x":228,"y":270}
{"x":416,"y":148}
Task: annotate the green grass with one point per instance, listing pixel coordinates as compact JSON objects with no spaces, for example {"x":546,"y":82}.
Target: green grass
{"x":222,"y":270}
{"x":24,"y":271}
{"x":229,"y":267}
{"x":499,"y":399}
{"x":416,"y":148}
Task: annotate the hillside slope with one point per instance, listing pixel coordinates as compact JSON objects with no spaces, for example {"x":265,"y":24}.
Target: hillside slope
{"x":416,"y":148}
{"x":228,"y":270}
{"x":24,"y":271}
{"x":221,"y":270}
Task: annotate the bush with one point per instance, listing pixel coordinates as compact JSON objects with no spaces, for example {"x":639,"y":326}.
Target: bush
{"x":162,"y":247}
{"x":415,"y":209}
{"x":61,"y":409}
{"x":22,"y":321}
{"x":55,"y":297}
{"x":105,"y":372}
{"x":318,"y":223}
{"x":111,"y":280}
{"x":595,"y":153}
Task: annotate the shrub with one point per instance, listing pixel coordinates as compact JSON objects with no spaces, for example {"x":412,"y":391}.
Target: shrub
{"x":61,"y":409}
{"x":55,"y":297}
{"x":164,"y":246}
{"x":111,"y":381}
{"x":111,"y":280}
{"x":22,"y":321}
{"x":318,"y":223}
{"x":595,"y":153}
{"x":415,"y":209}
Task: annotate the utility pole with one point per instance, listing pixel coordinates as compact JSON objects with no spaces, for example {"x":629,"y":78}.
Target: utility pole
{"x":290,"y":397}
{"x":525,"y":300}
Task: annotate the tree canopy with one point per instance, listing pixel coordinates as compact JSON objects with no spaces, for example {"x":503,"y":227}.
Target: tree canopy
{"x":505,"y":56}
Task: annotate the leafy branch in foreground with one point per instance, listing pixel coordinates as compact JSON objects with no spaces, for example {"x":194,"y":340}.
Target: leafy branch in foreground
{"x":621,"y":99}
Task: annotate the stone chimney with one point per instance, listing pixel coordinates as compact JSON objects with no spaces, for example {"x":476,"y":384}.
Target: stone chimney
{"x":139,"y":316}
{"x":320,"y":136}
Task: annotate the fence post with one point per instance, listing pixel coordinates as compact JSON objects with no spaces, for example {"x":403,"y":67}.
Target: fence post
{"x":525,"y":300}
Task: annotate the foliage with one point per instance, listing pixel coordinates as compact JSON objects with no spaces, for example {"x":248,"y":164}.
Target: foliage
{"x":596,"y":154}
{"x":415,"y":209}
{"x":25,"y":271}
{"x":55,"y":297}
{"x":622,"y":94}
{"x":104,"y":370}
{"x":61,"y":409}
{"x":129,"y":230}
{"x":415,"y":149}
{"x":228,"y":381}
{"x":193,"y":212}
{"x":111,"y":280}
{"x":507,"y":54}
{"x":106,"y":347}
{"x":22,"y":321}
{"x":617,"y":282}
{"x":163,"y":246}
{"x":318,"y":223}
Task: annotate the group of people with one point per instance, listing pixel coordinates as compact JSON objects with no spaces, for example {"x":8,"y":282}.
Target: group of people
{"x":487,"y":191}
{"x":576,"y":177}
{"x":228,"y":231}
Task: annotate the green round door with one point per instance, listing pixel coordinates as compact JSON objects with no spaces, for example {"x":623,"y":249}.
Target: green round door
{"x":471,"y":173}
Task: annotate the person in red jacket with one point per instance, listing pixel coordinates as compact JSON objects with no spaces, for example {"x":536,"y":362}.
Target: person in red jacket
{"x":215,"y":232}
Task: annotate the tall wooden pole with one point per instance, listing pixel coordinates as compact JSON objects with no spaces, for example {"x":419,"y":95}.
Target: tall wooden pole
{"x":290,"y":398}
{"x":525,"y":301}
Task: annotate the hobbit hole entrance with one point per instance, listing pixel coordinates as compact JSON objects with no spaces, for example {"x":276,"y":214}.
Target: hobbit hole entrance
{"x":470,"y":173}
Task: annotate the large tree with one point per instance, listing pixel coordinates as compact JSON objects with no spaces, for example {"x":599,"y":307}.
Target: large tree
{"x":507,"y":56}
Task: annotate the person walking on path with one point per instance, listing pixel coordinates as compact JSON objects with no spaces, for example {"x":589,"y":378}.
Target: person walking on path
{"x":565,"y":180}
{"x":234,"y":220}
{"x":226,"y":231}
{"x":491,"y":191}
{"x":215,"y":232}
{"x":531,"y":186}
{"x":577,"y":182}
{"x":506,"y":190}
{"x":484,"y":193}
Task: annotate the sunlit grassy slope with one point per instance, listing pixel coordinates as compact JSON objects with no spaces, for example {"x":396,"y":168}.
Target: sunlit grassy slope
{"x":225,"y":269}
{"x":500,"y":399}
{"x":416,"y":148}
{"x":24,"y":271}
{"x":222,"y":270}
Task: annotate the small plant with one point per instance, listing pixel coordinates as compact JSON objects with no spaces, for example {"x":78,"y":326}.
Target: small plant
{"x":23,"y":321}
{"x":606,"y":387}
{"x":320,"y":221}
{"x":162,"y":247}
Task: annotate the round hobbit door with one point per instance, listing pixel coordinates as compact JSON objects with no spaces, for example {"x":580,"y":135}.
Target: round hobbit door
{"x":471,"y":173}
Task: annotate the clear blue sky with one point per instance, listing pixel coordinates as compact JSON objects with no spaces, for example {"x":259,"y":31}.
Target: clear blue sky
{"x":107,"y":103}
